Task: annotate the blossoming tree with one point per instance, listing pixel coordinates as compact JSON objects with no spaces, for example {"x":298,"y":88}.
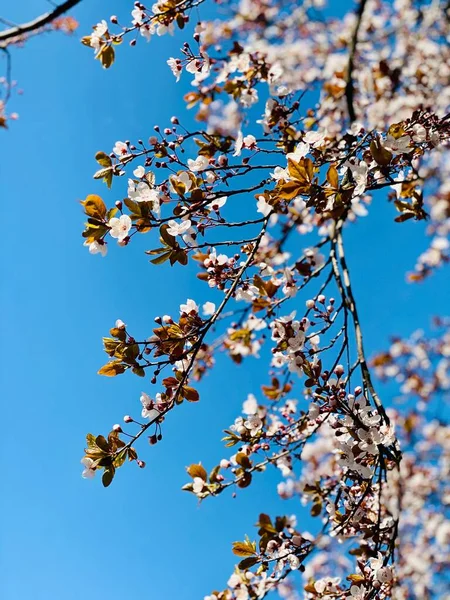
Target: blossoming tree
{"x":302,"y":117}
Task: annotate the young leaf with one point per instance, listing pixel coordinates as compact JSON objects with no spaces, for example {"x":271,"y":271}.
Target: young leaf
{"x":244,"y":549}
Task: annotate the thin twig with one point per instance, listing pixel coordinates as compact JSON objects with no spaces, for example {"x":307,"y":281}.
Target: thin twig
{"x":37,"y":23}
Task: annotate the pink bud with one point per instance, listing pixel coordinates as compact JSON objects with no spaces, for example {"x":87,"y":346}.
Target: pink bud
{"x":339,"y":370}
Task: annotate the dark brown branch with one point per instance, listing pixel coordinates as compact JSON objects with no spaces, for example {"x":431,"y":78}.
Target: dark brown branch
{"x":349,"y":88}
{"x":346,"y":292}
{"x":38,"y":23}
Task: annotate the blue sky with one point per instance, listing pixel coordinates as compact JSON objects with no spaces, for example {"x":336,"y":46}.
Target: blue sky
{"x":63,"y":537}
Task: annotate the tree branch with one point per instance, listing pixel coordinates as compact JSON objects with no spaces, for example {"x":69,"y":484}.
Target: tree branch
{"x":37,"y":23}
{"x":349,"y":89}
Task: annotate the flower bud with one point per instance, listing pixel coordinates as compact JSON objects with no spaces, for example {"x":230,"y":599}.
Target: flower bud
{"x":339,"y":370}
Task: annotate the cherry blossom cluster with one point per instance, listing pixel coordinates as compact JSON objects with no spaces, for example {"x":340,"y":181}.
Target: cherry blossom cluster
{"x":301,"y":117}
{"x":420,"y":364}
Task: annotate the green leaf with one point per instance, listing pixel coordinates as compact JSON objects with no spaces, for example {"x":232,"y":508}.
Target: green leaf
{"x":112,"y":369}
{"x":190,"y":393}
{"x":265,"y":523}
{"x":106,"y":56}
{"x":213,"y":474}
{"x":108,"y":476}
{"x":132,"y":454}
{"x":120,"y":459}
{"x":103,"y":159}
{"x":106,"y":175}
{"x":90,"y":440}
{"x":102,"y":443}
{"x":245,"y":480}
{"x":94,"y":207}
{"x":197,"y":471}
{"x":243,"y":460}
{"x":166,"y":238}
{"x":159,"y":260}
{"x":244,"y":548}
{"x":134,"y":207}
{"x":247,"y":563}
{"x":139,"y":371}
{"x":316,"y":508}
{"x":131,"y":353}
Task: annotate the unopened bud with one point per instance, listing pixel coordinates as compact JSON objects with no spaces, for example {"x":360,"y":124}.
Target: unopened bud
{"x":117,"y":428}
{"x":339,"y":370}
{"x":128,"y":419}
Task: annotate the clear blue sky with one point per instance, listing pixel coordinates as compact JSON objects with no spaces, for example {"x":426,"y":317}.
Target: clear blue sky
{"x":64,"y":538}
